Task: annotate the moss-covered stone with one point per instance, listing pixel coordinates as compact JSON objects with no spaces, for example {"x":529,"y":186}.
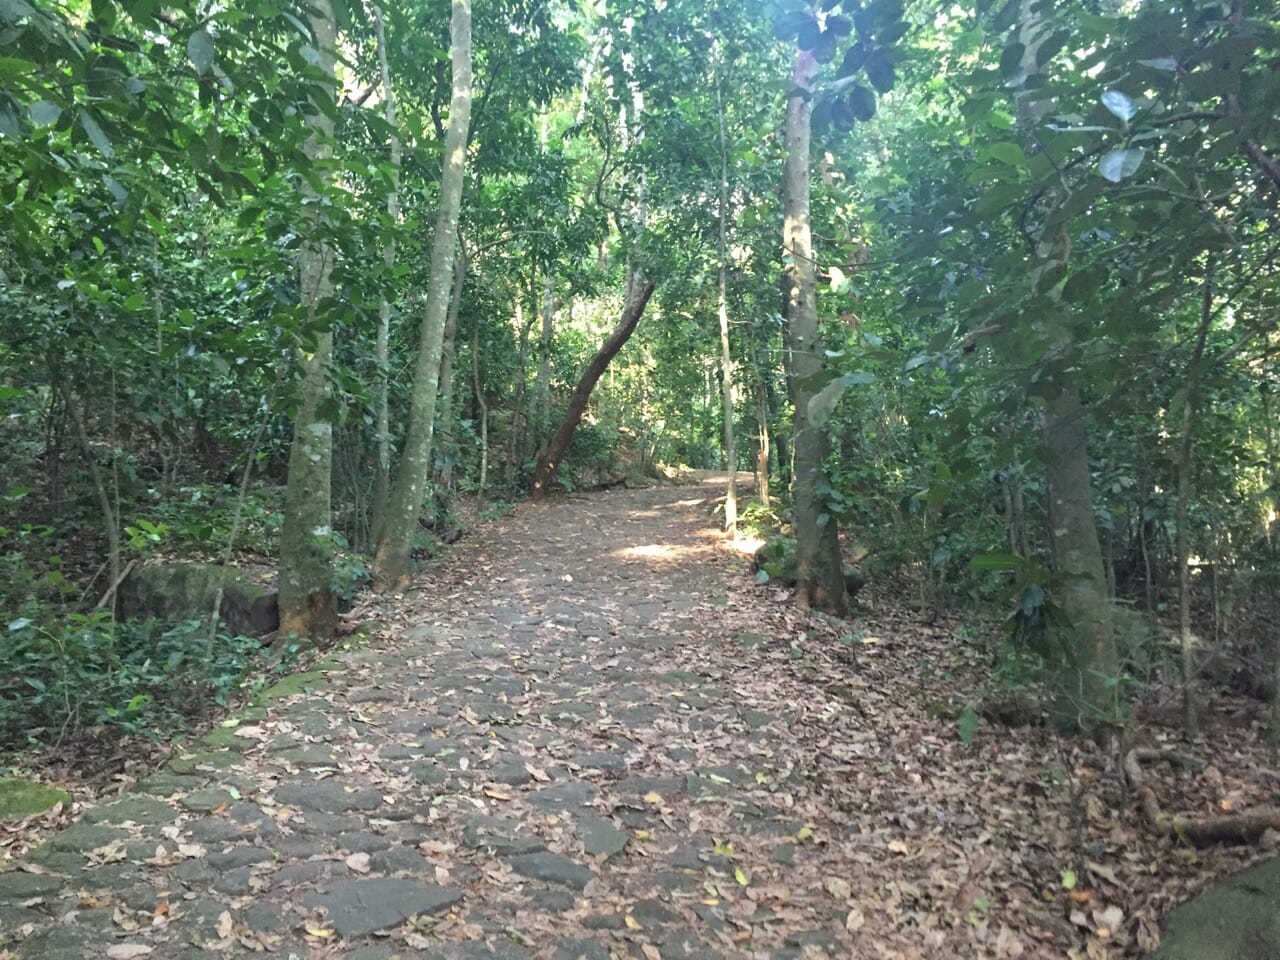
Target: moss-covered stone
{"x":293,"y":685}
{"x":186,"y":591}
{"x":1238,"y":919}
{"x":207,"y":799}
{"x":222,"y":737}
{"x":213,"y":759}
{"x":140,"y":810}
{"x":22,"y":798}
{"x":19,"y":885}
{"x":167,"y":784}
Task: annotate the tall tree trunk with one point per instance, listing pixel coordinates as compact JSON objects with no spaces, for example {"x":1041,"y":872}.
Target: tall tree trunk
{"x":819,"y":582}
{"x":762,"y":445}
{"x":638,"y":293}
{"x":391,"y":564}
{"x":110,"y":515}
{"x":382,"y":476}
{"x":1086,"y":696}
{"x":478,"y":385}
{"x":448,"y":354}
{"x":1185,"y":465}
{"x":308,"y":606}
{"x":519,"y":438}
{"x":542,"y":381}
{"x":722,"y":303}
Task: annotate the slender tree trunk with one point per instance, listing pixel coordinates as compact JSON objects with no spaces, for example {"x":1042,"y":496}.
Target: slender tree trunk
{"x":542,"y":381}
{"x":478,"y":385}
{"x":308,"y":606}
{"x":448,"y":353}
{"x":819,"y":581}
{"x":762,"y":445}
{"x":722,"y":302}
{"x":638,"y":293}
{"x":1185,"y":465}
{"x":391,"y":564}
{"x":110,"y":516}
{"x":519,"y":438}
{"x":382,"y":476}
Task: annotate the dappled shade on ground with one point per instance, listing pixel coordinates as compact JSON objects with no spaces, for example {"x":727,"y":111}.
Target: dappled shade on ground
{"x":593,"y":735}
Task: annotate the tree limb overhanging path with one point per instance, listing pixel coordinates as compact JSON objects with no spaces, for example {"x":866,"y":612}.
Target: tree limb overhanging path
{"x":589,"y":735}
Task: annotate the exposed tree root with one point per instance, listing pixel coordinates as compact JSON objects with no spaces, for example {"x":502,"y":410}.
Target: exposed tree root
{"x":1241,"y":828}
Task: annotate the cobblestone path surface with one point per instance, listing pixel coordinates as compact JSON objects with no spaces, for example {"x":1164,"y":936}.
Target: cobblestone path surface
{"x":537,"y":759}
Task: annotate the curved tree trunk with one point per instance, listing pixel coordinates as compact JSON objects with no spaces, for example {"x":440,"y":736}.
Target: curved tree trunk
{"x":638,"y":293}
{"x":308,"y":606}
{"x":391,"y":564}
{"x":819,"y":582}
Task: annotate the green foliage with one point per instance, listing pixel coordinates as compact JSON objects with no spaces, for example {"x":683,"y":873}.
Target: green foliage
{"x":757,"y":520}
{"x":66,"y":678}
{"x":199,"y":519}
{"x":351,"y":573}
{"x":592,"y":457}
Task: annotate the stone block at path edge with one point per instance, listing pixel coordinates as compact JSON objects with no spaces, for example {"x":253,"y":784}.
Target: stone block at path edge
{"x":361,"y":907}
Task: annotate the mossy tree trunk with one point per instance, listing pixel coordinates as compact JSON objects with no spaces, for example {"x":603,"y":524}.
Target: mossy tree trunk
{"x":308,"y":605}
{"x":391,"y":564}
{"x":1086,"y":695}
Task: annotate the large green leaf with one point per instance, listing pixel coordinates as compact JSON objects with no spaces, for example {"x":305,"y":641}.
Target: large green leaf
{"x":201,"y":51}
{"x":1118,"y":165}
{"x":96,"y":133}
{"x":1083,"y":284}
{"x":43,"y":112}
{"x":11,"y":11}
{"x":862,"y":103}
{"x":879,"y":70}
{"x":1009,"y":153}
{"x":1119,"y":104}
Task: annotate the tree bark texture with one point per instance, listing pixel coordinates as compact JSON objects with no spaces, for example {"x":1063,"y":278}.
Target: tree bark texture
{"x":819,"y":581}
{"x":638,"y":293}
{"x":542,"y":381}
{"x":477,"y":385}
{"x":1185,"y":464}
{"x":308,"y":605}
{"x":382,"y":478}
{"x":726,"y":357}
{"x":1086,"y":694}
{"x":391,"y":564}
{"x":448,"y":355}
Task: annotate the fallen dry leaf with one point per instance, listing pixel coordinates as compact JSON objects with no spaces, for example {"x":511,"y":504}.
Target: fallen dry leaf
{"x":358,"y":862}
{"x":838,"y":888}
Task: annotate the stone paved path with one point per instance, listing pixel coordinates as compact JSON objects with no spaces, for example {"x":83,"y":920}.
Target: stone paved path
{"x":520,"y":770}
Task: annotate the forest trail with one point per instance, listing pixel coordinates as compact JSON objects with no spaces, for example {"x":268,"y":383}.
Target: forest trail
{"x":590,"y":734}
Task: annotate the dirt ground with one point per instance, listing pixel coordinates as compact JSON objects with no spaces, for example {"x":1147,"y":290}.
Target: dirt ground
{"x":592,"y":734}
